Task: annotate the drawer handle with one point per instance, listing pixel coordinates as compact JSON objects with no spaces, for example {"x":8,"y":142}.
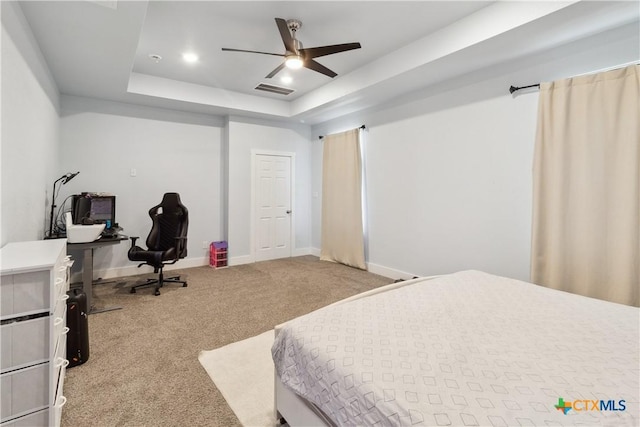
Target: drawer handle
{"x":58,"y":321}
{"x":65,"y":331}
{"x":61,"y":362}
{"x":61,"y":401}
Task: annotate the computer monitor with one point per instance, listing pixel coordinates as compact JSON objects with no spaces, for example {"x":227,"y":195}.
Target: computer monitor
{"x":94,"y":209}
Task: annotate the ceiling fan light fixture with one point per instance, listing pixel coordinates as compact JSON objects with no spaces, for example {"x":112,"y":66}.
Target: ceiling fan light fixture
{"x":293,"y":62}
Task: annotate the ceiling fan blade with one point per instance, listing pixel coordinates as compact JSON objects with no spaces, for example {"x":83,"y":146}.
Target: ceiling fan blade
{"x":316,"y":66}
{"x":275,"y":71}
{"x":285,"y":34}
{"x":314,"y":52}
{"x":251,"y":51}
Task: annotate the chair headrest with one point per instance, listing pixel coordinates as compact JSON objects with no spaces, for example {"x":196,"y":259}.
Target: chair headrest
{"x":171,"y":202}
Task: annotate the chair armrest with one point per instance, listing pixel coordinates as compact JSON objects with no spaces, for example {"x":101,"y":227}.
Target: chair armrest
{"x":181,"y":246}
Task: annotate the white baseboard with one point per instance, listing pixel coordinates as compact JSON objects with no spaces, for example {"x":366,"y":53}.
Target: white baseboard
{"x":388,"y":272}
{"x":376,"y":268}
{"x":132,"y":270}
{"x":301,"y":252}
{"x":240,"y":260}
{"x":248,"y":259}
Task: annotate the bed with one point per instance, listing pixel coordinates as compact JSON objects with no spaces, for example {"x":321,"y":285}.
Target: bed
{"x":468,"y":348}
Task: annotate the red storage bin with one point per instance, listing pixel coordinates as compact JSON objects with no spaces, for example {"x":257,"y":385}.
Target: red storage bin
{"x":218,"y":254}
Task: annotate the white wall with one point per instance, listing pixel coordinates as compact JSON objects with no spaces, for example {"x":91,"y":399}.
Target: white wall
{"x":448,"y":168}
{"x":245,"y":135}
{"x":170,"y":151}
{"x":29,"y":153}
{"x":451,"y":190}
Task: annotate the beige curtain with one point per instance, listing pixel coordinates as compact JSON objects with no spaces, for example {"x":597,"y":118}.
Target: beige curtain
{"x":342,"y":230}
{"x":586,"y":207}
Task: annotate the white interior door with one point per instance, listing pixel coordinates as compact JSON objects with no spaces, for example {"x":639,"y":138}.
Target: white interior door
{"x":272,"y":202}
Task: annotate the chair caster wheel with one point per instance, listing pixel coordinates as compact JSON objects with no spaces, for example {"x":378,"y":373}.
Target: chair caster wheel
{"x":132,"y":291}
{"x":184,"y":285}
{"x":157,"y":292}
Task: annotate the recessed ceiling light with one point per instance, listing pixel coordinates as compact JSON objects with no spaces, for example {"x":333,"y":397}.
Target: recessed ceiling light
{"x":190,"y":57}
{"x":286,"y":79}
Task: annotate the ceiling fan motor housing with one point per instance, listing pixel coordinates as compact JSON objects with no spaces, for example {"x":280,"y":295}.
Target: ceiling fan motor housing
{"x":294,"y":24}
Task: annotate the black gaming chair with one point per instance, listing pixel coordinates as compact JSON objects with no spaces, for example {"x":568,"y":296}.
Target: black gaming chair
{"x":166,"y":243}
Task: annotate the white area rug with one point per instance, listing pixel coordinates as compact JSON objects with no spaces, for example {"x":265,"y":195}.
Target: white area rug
{"x":243,"y":372}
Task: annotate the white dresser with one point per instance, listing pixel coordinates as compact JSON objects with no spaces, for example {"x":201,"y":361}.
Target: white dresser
{"x":34,"y":280}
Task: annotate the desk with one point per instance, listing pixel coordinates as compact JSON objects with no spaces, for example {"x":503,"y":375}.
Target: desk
{"x":87,"y":266}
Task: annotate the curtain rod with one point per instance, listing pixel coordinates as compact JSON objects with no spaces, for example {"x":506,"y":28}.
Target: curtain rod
{"x":361,"y":127}
{"x":616,"y":67}
{"x":513,"y":88}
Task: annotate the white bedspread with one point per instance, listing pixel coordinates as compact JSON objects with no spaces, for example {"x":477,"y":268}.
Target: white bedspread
{"x":466,"y":349}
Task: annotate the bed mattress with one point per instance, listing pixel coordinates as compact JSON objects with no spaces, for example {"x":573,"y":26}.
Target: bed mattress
{"x":466,"y":349}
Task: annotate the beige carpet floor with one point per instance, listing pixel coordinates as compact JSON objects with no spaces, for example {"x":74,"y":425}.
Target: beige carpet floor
{"x":143,"y":368}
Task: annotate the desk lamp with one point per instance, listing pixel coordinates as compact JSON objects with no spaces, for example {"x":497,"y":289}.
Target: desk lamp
{"x":64,"y":178}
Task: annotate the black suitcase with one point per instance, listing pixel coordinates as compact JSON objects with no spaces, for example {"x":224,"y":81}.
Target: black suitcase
{"x":78,"y":324}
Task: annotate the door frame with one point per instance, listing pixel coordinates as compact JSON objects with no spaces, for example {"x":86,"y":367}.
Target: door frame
{"x":292,"y":229}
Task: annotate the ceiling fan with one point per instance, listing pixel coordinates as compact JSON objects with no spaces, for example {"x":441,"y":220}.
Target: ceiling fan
{"x":295,"y":55}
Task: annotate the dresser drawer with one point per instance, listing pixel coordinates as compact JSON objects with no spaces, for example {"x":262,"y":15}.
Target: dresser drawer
{"x":59,"y":317}
{"x":61,"y":344}
{"x":25,"y":343}
{"x":24,"y":293}
{"x":60,"y":400}
{"x":37,"y":419}
{"x":61,"y":287}
{"x":61,"y":277}
{"x":60,"y":367}
{"x":24,"y":391}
